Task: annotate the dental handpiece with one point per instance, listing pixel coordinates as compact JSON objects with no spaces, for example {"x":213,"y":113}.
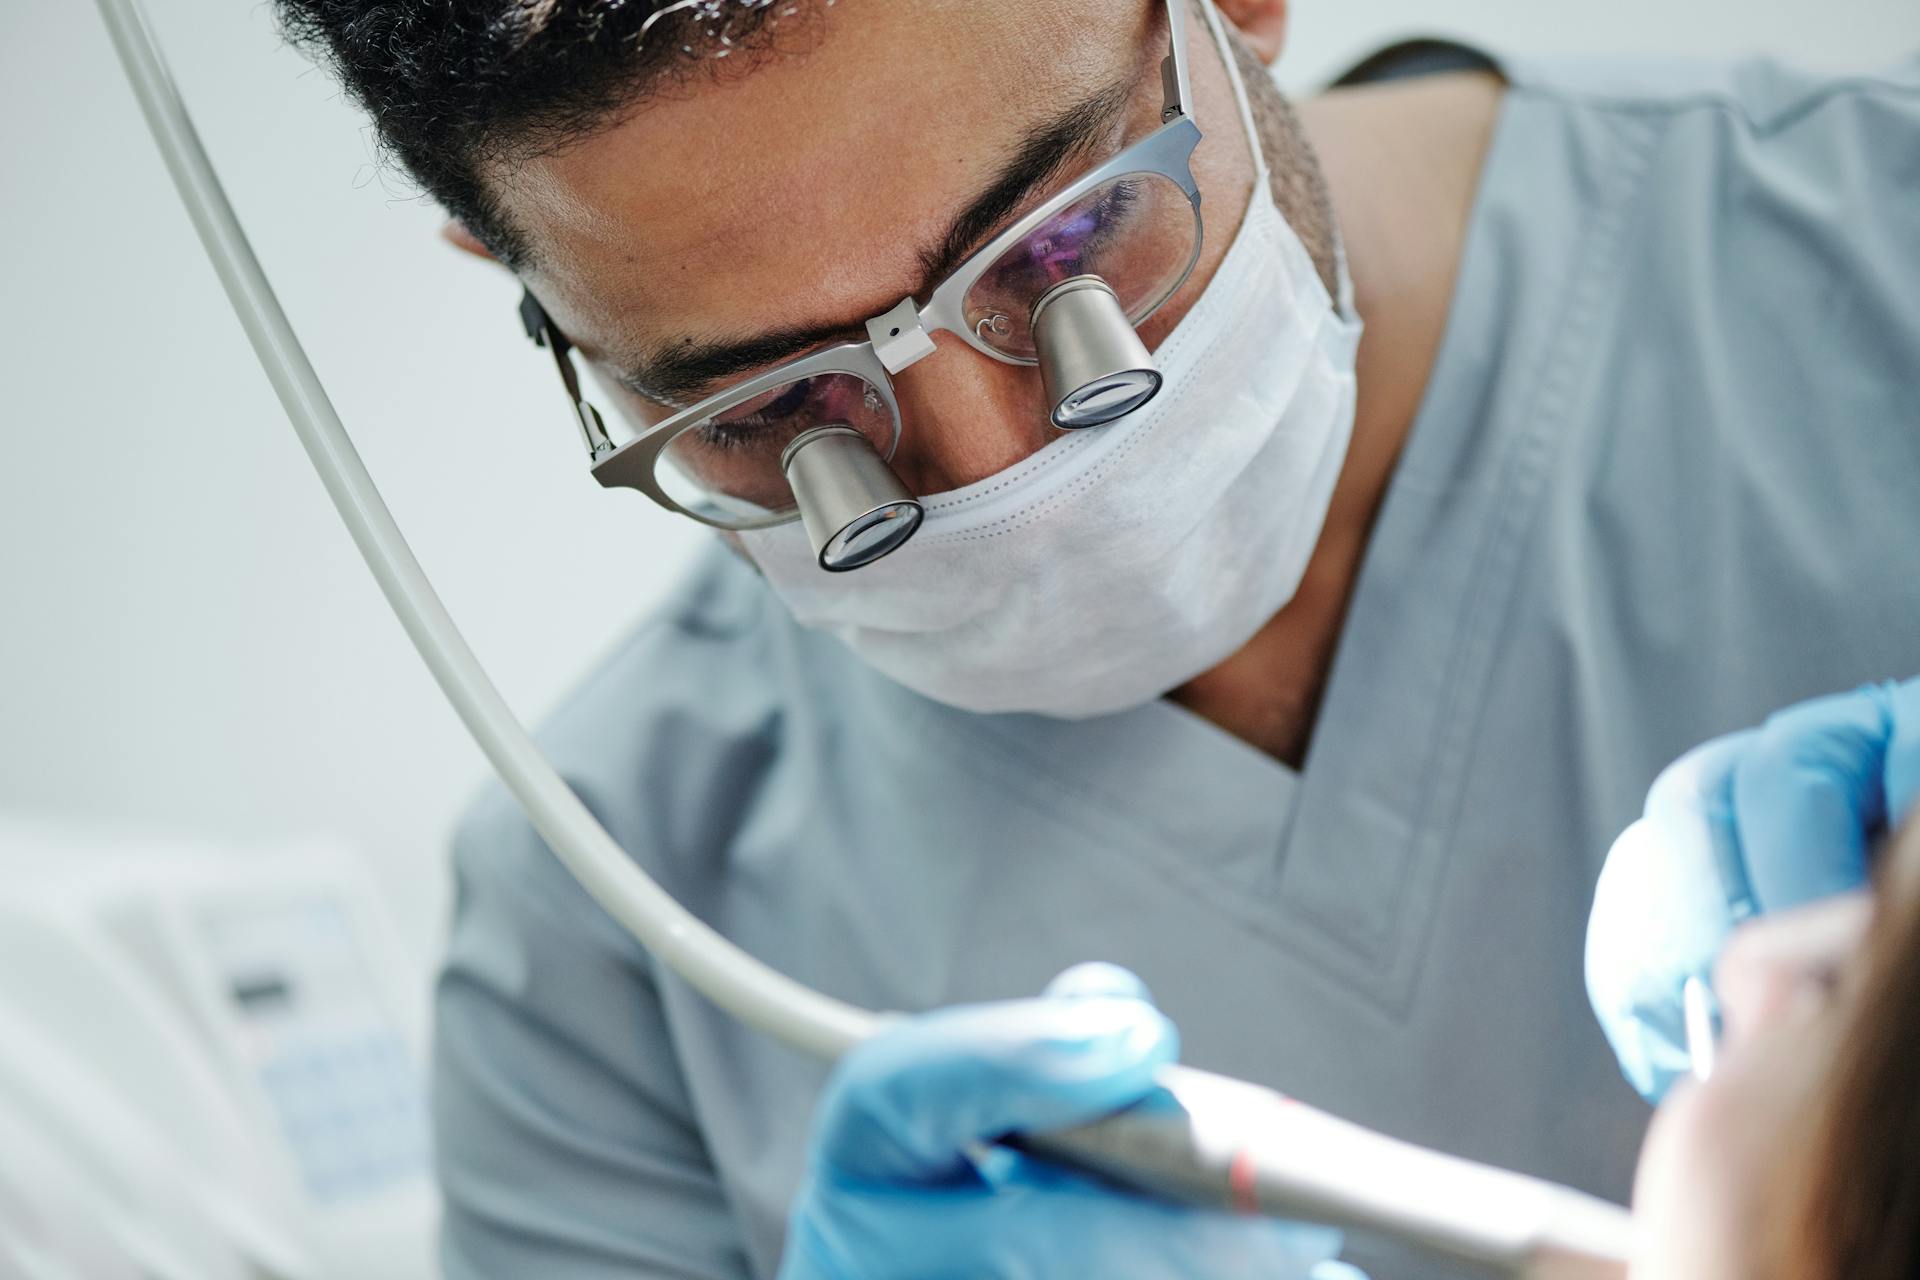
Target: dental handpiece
{"x":1244,"y":1148}
{"x":1221,"y":1143}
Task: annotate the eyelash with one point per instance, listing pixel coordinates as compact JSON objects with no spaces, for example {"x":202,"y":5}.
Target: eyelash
{"x":1111,"y":213}
{"x":739,"y":433}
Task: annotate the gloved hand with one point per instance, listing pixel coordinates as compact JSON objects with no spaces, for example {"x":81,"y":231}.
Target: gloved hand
{"x":903,"y":1182}
{"x":1756,"y":821}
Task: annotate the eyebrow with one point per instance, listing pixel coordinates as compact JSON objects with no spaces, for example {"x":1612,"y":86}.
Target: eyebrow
{"x":688,"y":370}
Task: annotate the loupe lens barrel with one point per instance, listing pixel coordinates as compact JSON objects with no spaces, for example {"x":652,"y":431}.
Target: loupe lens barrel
{"x":854,"y":509}
{"x":1092,"y":363}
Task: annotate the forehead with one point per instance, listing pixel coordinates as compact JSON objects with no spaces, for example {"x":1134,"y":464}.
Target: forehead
{"x":783,"y":196}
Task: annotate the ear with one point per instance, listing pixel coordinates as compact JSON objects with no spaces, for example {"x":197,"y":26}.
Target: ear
{"x":1262,"y":24}
{"x":456,"y":234}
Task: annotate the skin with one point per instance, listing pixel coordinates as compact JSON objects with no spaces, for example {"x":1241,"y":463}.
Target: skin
{"x":1704,"y":1195}
{"x":823,"y":175}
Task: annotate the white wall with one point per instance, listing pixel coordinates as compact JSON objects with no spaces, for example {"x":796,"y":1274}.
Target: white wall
{"x":1328,"y":36}
{"x":187,"y":638}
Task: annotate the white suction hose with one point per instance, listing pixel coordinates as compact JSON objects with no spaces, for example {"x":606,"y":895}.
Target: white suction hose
{"x":749,"y":990}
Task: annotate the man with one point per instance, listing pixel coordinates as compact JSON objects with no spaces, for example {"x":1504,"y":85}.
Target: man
{"x":1344,"y":678}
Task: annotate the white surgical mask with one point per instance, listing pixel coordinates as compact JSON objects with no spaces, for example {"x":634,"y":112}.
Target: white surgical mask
{"x":1119,"y":562}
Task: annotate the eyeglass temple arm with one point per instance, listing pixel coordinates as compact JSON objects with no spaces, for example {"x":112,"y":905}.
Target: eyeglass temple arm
{"x":593,"y":431}
{"x":1174,"y":84}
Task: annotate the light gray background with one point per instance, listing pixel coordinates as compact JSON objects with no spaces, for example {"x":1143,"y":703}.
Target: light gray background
{"x":187,"y":638}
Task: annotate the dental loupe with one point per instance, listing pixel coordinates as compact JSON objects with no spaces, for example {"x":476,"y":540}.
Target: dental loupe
{"x":854,"y":508}
{"x":1224,"y":1144}
{"x":1092,"y":363}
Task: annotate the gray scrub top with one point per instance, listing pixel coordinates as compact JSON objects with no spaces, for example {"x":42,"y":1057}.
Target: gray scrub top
{"x":1666,"y":478}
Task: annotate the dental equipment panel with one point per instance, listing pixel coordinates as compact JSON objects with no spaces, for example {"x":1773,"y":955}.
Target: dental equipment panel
{"x":221,"y":1047}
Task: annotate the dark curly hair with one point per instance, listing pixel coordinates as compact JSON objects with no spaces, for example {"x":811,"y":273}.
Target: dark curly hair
{"x":457,"y":86}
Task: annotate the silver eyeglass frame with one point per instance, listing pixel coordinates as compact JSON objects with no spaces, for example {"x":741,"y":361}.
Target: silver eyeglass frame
{"x":902,"y":336}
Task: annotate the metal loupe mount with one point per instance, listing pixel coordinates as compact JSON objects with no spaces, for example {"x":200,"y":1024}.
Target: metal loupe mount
{"x":1093,"y":365}
{"x":854,"y":509}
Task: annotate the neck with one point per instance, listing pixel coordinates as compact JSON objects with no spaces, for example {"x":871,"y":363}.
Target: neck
{"x":1402,"y":162}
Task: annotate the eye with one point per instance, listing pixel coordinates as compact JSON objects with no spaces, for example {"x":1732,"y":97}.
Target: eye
{"x":740,"y":425}
{"x":1137,"y":232}
{"x":787,"y":402}
{"x":1062,"y":245}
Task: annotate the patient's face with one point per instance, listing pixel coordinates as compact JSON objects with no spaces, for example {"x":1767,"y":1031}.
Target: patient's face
{"x":1704,"y":1193}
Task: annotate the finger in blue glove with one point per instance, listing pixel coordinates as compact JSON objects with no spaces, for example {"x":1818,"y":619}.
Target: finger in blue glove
{"x":904,"y":1182}
{"x":1761,"y":820}
{"x":1818,"y":783}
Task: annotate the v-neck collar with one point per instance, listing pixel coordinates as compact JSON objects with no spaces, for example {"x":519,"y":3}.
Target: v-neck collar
{"x":1341,"y":865}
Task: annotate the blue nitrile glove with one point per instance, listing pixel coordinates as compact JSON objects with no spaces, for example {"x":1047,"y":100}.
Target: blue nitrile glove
{"x":902,"y":1181}
{"x":1753,"y":822}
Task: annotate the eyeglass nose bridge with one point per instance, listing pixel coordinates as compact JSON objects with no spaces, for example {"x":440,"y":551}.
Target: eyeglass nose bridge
{"x":1093,"y":366}
{"x":900,"y":337}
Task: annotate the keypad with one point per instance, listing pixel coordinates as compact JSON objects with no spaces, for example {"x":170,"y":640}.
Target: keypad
{"x":353,"y":1111}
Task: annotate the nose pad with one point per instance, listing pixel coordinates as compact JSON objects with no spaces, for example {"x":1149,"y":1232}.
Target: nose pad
{"x":854,"y":509}
{"x":1093,"y":365}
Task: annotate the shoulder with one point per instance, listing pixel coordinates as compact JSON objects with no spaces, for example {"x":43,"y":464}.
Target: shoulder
{"x":1762,"y":93}
{"x":1752,"y":191}
{"x":716,"y":658}
{"x":1765,"y":92}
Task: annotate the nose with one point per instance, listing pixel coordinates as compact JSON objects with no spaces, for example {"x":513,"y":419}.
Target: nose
{"x":1778,"y":967}
{"x":965,"y":416}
